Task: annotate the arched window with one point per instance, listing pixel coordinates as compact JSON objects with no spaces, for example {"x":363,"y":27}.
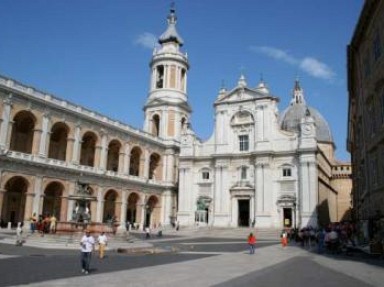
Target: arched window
{"x":58,"y":141}
{"x":22,"y":132}
{"x":113,"y":155}
{"x":88,"y":148}
{"x":183,"y":124}
{"x":156,"y":125}
{"x":159,"y":77}
{"x":134,"y":163}
{"x":154,"y":166}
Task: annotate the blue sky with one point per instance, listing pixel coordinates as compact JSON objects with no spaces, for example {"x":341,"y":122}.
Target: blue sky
{"x":96,"y":52}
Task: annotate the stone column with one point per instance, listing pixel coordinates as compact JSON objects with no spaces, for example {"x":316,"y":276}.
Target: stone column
{"x":103,"y":152}
{"x":37,"y":191}
{"x":126,"y":160}
{"x":63,"y":209}
{"x":167,"y":207}
{"x":142,"y":211}
{"x":123,"y":212}
{"x":28,"y":208}
{"x":36,"y":140}
{"x":2,"y":191}
{"x":76,"y":145}
{"x":71,"y":203}
{"x":121,"y":162}
{"x":44,"y":135}
{"x":100,"y":205}
{"x":69,"y":150}
{"x":93,"y":210}
{"x":146,"y":164}
{"x":5,"y":122}
{"x":259,"y":183}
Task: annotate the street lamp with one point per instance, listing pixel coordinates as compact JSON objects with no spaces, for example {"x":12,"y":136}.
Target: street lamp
{"x":294,"y":214}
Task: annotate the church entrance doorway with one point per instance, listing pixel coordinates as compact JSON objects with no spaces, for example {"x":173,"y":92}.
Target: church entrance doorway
{"x":287,"y":217}
{"x":243,"y":212}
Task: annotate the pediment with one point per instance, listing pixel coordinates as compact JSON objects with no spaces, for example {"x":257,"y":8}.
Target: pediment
{"x":241,"y":94}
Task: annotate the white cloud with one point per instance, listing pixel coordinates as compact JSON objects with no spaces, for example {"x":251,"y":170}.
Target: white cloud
{"x":316,"y":68}
{"x":309,"y":65}
{"x":146,"y":40}
{"x":276,"y":54}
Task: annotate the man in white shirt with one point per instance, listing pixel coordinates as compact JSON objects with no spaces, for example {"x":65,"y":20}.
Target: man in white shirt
{"x":87,"y":244}
{"x":103,"y":241}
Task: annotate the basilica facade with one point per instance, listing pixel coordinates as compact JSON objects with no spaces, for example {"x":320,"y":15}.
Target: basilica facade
{"x":260,"y":166}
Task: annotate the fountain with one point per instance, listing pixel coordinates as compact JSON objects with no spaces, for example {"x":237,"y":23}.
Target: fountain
{"x":81,"y":213}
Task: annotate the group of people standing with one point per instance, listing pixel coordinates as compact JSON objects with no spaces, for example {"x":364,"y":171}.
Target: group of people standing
{"x":46,"y":224}
{"x":87,"y":245}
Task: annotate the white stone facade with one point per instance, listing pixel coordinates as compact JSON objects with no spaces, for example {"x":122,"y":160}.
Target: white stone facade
{"x":250,"y":169}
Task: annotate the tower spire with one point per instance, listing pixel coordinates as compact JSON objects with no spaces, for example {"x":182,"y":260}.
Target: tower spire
{"x":171,"y":35}
{"x":298,"y":93}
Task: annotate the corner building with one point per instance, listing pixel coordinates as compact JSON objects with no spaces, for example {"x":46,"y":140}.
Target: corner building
{"x":259,"y":166}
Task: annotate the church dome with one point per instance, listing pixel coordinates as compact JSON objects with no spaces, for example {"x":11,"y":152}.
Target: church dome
{"x":291,"y":117}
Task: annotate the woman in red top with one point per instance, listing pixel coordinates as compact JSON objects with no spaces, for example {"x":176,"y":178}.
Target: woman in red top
{"x":251,"y":243}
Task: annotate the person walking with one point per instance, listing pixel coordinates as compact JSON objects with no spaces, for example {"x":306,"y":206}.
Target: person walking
{"x":52,"y":226}
{"x":19,"y":234}
{"x":103,"y":241}
{"x":251,"y":243}
{"x":87,"y":244}
{"x":284,"y":239}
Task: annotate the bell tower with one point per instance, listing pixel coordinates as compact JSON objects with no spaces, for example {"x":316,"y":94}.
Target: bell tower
{"x":167,"y":110}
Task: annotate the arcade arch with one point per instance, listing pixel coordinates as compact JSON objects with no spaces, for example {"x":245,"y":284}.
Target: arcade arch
{"x":58,"y":141}
{"x":134,"y":163}
{"x":113,"y":155}
{"x":154,"y":167}
{"x":22,"y":132}
{"x":109,"y":206}
{"x":152,"y":212}
{"x":14,"y":200}
{"x":52,"y":199}
{"x":133,"y":200}
{"x":88,"y":149}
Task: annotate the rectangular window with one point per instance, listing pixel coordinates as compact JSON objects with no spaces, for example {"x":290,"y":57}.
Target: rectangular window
{"x":287,"y":172}
{"x":244,"y":142}
{"x":243,"y":172}
{"x":205,"y":175}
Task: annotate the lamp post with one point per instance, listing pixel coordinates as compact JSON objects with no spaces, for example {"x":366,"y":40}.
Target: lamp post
{"x":294,"y":214}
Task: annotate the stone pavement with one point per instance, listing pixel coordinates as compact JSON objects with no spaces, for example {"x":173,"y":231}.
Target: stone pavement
{"x":215,"y":270}
{"x":220,"y":269}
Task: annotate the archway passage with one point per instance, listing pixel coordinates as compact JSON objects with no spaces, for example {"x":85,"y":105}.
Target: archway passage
{"x":151,"y":212}
{"x":52,"y":200}
{"x":133,"y":199}
{"x":244,"y":212}
{"x":14,"y":200}
{"x":109,"y":206}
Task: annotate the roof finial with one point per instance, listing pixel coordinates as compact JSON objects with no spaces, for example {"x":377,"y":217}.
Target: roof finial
{"x":298,"y":93}
{"x":171,"y":35}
